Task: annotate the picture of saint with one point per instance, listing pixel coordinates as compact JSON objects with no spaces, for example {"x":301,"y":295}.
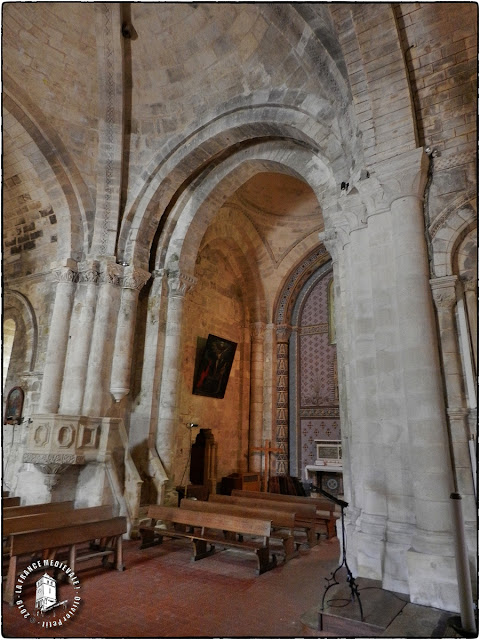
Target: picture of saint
{"x":212,"y":375}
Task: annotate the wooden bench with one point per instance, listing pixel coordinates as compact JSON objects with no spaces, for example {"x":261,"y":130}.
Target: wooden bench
{"x":54,"y":519}
{"x":212,"y":529}
{"x":11,"y":502}
{"x":282,"y":521}
{"x":325,"y":516}
{"x":27,"y":509}
{"x":304,"y":514}
{"x":49,"y":542}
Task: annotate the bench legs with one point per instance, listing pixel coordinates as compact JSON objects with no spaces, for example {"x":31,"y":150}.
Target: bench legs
{"x":264,"y":562}
{"x":200,"y":549}
{"x":331,"y":529}
{"x":150,"y":538}
{"x":290,"y":548}
{"x":8,"y":590}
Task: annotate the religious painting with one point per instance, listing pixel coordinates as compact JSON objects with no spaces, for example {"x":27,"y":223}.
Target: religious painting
{"x":211,"y":375}
{"x":14,"y":406}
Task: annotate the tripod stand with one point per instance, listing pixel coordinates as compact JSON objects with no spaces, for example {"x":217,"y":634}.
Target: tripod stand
{"x":332,"y":580}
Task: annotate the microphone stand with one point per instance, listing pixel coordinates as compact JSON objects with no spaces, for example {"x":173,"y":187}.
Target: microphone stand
{"x":332,"y":580}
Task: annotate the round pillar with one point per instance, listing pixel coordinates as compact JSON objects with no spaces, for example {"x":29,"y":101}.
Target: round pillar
{"x":257,"y":341}
{"x":178,"y":286}
{"x":81,"y":329}
{"x":281,"y":436}
{"x":58,"y":338}
{"x":99,"y":363}
{"x":133,"y":280}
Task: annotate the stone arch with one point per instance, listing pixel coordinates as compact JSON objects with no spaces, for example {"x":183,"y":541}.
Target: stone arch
{"x":68,"y":192}
{"x":17,"y":307}
{"x":449,"y":229}
{"x":197,"y":206}
{"x":239,"y":250}
{"x":177,"y":169}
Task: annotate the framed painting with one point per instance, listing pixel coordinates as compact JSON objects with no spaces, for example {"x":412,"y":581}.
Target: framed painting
{"x":213,"y":370}
{"x":14,"y":406}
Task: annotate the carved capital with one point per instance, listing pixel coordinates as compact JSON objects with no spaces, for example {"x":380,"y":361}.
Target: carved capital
{"x":111,"y":273}
{"x":257,"y":331}
{"x":134,"y":278}
{"x":402,"y":176}
{"x":179,"y":284}
{"x":469,"y":285}
{"x":444,"y":291}
{"x":64,"y":275}
{"x":283,"y":332}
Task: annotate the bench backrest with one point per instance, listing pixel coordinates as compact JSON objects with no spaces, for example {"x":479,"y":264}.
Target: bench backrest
{"x":300,"y":510}
{"x":321,"y":504}
{"x":55,"y":519}
{"x":31,"y":541}
{"x":27,"y":509}
{"x":224,"y":522}
{"x":11,"y":502}
{"x":278,"y":518}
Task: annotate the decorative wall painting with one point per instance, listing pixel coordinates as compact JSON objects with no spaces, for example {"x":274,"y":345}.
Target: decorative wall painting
{"x":14,"y":406}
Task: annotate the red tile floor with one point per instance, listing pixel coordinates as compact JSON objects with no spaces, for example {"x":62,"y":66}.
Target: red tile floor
{"x":163,"y":594}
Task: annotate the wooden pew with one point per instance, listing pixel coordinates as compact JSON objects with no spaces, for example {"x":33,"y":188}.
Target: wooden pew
{"x":305,"y":514}
{"x":49,"y":541}
{"x":52,"y":519}
{"x":211,"y":529}
{"x":11,"y":502}
{"x":5,"y":494}
{"x":326,"y":516}
{"x":282,"y":521}
{"x":27,"y":509}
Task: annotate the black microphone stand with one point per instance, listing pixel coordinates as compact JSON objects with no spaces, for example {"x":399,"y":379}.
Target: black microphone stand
{"x":332,"y":580}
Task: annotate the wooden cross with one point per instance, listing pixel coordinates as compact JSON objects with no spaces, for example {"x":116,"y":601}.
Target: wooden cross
{"x":267,"y":449}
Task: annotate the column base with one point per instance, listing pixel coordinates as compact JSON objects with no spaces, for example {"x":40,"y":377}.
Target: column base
{"x":432,"y":581}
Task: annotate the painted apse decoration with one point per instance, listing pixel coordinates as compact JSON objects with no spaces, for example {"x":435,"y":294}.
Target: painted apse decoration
{"x":14,"y":406}
{"x":213,"y":370}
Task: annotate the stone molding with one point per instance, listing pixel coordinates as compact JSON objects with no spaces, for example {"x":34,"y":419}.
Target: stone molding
{"x":469,"y":285}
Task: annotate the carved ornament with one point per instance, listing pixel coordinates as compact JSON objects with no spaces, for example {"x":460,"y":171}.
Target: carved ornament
{"x":179,"y":284}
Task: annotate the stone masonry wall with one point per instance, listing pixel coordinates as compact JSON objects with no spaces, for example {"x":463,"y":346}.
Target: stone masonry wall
{"x":215,"y":306}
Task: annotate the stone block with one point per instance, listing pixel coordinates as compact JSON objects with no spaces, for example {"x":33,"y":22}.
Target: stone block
{"x":432,"y":581}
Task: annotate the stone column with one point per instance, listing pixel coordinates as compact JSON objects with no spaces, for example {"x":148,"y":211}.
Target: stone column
{"x":257,"y":337}
{"x":445,"y":294}
{"x":65,"y":276}
{"x":81,"y":329}
{"x":101,"y":348}
{"x":471,"y":296}
{"x":178,"y":286}
{"x":281,"y":436}
{"x":404,"y":181}
{"x":133,"y":280}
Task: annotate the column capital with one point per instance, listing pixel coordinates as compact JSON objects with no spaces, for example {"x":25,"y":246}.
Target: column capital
{"x":444,"y":291}
{"x":89,"y":271}
{"x":179,"y":284}
{"x":469,"y":285}
{"x":284,"y":332}
{"x":110,"y":273}
{"x":257,"y":331}
{"x":65,"y":274}
{"x":403,"y":176}
{"x":134,"y":278}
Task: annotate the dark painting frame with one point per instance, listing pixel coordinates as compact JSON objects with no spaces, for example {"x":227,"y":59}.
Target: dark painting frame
{"x":14,"y":406}
{"x":213,"y":370}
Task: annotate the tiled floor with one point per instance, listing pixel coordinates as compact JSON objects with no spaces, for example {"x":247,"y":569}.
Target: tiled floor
{"x":163,"y":594}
